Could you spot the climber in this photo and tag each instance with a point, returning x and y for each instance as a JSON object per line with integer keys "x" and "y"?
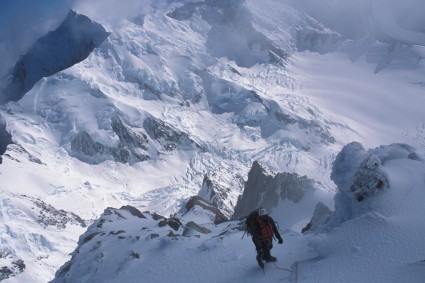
{"x": 262, "y": 228}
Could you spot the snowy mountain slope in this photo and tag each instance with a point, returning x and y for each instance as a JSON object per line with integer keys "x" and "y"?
{"x": 120, "y": 247}
{"x": 348, "y": 93}
{"x": 161, "y": 104}
{"x": 32, "y": 232}
{"x": 81, "y": 134}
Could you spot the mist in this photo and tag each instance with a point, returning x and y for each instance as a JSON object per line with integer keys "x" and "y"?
{"x": 22, "y": 22}
{"x": 385, "y": 20}
{"x": 112, "y": 12}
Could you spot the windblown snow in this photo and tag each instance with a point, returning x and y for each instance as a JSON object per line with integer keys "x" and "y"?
{"x": 138, "y": 157}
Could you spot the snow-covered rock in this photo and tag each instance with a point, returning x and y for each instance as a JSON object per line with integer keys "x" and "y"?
{"x": 131, "y": 144}
{"x": 30, "y": 227}
{"x": 361, "y": 177}
{"x": 320, "y": 215}
{"x": 218, "y": 216}
{"x": 125, "y": 237}
{"x": 222, "y": 189}
{"x": 5, "y": 137}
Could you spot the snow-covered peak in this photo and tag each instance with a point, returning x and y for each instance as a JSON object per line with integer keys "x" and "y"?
{"x": 69, "y": 44}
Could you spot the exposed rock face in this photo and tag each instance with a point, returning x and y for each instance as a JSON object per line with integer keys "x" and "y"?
{"x": 134, "y": 144}
{"x": 320, "y": 215}
{"x": 14, "y": 268}
{"x": 5, "y": 137}
{"x": 70, "y": 43}
{"x": 169, "y": 138}
{"x": 196, "y": 200}
{"x": 192, "y": 227}
{"x": 222, "y": 197}
{"x": 47, "y": 215}
{"x": 50, "y": 216}
{"x": 171, "y": 222}
{"x": 83, "y": 145}
{"x": 265, "y": 189}
{"x": 217, "y": 194}
{"x": 23, "y": 213}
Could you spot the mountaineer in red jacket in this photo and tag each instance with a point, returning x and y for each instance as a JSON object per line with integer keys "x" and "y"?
{"x": 262, "y": 228}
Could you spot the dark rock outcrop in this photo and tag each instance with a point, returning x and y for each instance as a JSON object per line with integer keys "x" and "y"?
{"x": 172, "y": 222}
{"x": 320, "y": 215}
{"x": 50, "y": 216}
{"x": 196, "y": 200}
{"x": 213, "y": 191}
{"x": 5, "y": 137}
{"x": 133, "y": 211}
{"x": 15, "y": 267}
{"x": 191, "y": 228}
{"x": 134, "y": 144}
{"x": 83, "y": 144}
{"x": 266, "y": 189}
{"x": 168, "y": 137}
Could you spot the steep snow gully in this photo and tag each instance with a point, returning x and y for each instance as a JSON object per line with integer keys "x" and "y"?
{"x": 132, "y": 146}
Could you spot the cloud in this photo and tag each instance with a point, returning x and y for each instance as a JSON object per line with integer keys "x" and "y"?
{"x": 113, "y": 11}
{"x": 360, "y": 18}
{"x": 22, "y": 22}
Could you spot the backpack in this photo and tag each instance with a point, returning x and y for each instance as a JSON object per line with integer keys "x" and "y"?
{"x": 251, "y": 225}
{"x": 266, "y": 228}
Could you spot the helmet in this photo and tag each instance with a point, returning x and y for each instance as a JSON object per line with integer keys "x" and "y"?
{"x": 262, "y": 212}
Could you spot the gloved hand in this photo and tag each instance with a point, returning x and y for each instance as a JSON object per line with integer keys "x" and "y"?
{"x": 280, "y": 241}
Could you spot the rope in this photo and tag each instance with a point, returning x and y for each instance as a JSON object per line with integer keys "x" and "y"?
{"x": 243, "y": 234}
{"x": 296, "y": 272}
{"x": 281, "y": 268}
{"x": 289, "y": 270}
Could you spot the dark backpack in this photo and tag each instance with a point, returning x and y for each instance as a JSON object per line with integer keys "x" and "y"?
{"x": 251, "y": 225}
